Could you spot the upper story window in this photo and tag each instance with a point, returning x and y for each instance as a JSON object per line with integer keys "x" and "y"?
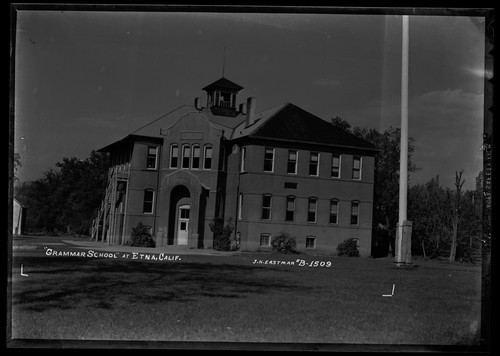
{"x": 355, "y": 212}
{"x": 356, "y": 167}
{"x": 195, "y": 163}
{"x": 311, "y": 210}
{"x": 290, "y": 208}
{"x": 314, "y": 164}
{"x": 243, "y": 157}
{"x": 174, "y": 156}
{"x": 335, "y": 166}
{"x": 186, "y": 156}
{"x": 268, "y": 159}
{"x": 148, "y": 203}
{"x": 334, "y": 211}
{"x": 266, "y": 206}
{"x": 152, "y": 158}
{"x": 291, "y": 167}
{"x": 207, "y": 157}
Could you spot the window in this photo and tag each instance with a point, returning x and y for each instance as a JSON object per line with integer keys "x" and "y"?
{"x": 174, "y": 156}
{"x": 355, "y": 213}
{"x": 266, "y": 206}
{"x": 265, "y": 240}
{"x": 291, "y": 167}
{"x": 149, "y": 196}
{"x": 269, "y": 159}
{"x": 186, "y": 156}
{"x": 240, "y": 205}
{"x": 313, "y": 164}
{"x": 243, "y": 157}
{"x": 356, "y": 168}
{"x": 184, "y": 213}
{"x": 334, "y": 211}
{"x": 310, "y": 242}
{"x": 207, "y": 163}
{"x": 290, "y": 208}
{"x": 311, "y": 210}
{"x": 290, "y": 185}
{"x": 195, "y": 164}
{"x": 151, "y": 159}
{"x": 336, "y": 166}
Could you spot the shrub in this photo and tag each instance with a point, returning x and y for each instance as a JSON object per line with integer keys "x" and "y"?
{"x": 348, "y": 248}
{"x": 222, "y": 234}
{"x": 283, "y": 243}
{"x": 141, "y": 236}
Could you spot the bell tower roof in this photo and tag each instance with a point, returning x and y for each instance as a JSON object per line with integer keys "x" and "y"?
{"x": 223, "y": 83}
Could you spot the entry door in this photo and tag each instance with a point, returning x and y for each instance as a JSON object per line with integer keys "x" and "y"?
{"x": 183, "y": 225}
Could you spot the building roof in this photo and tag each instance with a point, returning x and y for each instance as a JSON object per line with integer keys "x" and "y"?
{"x": 291, "y": 123}
{"x": 153, "y": 129}
{"x": 286, "y": 122}
{"x": 223, "y": 83}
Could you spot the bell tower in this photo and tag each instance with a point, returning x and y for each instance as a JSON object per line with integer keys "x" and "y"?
{"x": 221, "y": 97}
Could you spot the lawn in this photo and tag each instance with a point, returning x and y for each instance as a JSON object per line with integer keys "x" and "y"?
{"x": 234, "y": 299}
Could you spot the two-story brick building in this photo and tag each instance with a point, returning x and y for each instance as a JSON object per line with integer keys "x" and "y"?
{"x": 282, "y": 169}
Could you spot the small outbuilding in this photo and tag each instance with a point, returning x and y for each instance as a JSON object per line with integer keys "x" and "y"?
{"x": 19, "y": 218}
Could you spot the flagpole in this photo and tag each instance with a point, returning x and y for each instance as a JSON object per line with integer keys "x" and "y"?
{"x": 403, "y": 235}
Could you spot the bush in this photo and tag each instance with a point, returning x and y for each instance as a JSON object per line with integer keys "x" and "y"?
{"x": 222, "y": 234}
{"x": 141, "y": 236}
{"x": 283, "y": 243}
{"x": 348, "y": 248}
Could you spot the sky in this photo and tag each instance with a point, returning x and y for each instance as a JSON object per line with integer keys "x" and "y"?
{"x": 86, "y": 79}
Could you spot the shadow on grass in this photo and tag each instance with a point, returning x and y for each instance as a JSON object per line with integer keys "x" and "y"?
{"x": 69, "y": 283}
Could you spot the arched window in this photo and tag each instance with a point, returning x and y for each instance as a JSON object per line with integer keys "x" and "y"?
{"x": 186, "y": 156}
{"x": 174, "y": 155}
{"x": 195, "y": 163}
{"x": 311, "y": 210}
{"x": 207, "y": 157}
{"x": 334, "y": 211}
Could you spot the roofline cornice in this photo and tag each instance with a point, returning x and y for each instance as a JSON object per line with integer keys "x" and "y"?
{"x": 318, "y": 144}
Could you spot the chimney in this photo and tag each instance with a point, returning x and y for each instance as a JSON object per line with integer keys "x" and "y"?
{"x": 251, "y": 104}
{"x": 242, "y": 109}
{"x": 197, "y": 104}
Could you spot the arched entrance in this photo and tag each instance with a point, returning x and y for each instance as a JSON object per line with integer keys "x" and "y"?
{"x": 179, "y": 216}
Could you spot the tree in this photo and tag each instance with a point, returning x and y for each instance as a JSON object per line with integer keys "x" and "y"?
{"x": 222, "y": 234}
{"x": 66, "y": 199}
{"x": 456, "y": 213}
{"x": 386, "y": 187}
{"x": 17, "y": 164}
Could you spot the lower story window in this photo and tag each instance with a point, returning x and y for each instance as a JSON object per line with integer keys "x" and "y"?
{"x": 148, "y": 202}
{"x": 310, "y": 242}
{"x": 265, "y": 239}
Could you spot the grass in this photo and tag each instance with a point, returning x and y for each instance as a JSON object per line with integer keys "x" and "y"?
{"x": 231, "y": 299}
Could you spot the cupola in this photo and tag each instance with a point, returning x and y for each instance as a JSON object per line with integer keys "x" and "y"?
{"x": 221, "y": 97}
